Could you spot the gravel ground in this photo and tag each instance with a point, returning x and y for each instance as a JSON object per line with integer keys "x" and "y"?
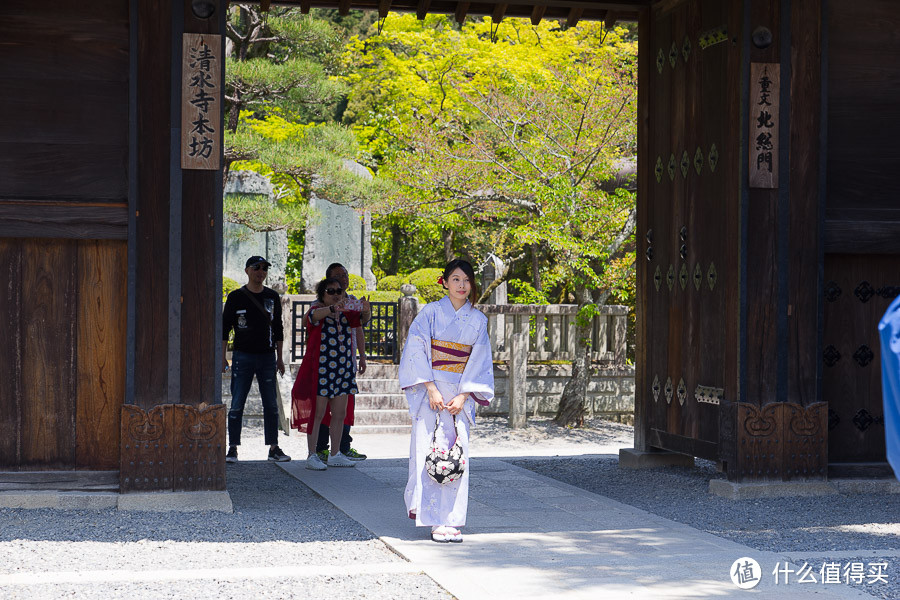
{"x": 301, "y": 531}
{"x": 815, "y": 530}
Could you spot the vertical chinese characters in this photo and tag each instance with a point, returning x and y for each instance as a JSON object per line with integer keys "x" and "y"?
{"x": 201, "y": 133}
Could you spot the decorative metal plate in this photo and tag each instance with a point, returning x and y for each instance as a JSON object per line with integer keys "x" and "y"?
{"x": 670, "y": 277}
{"x": 685, "y": 164}
{"x": 686, "y": 48}
{"x": 698, "y": 277}
{"x": 863, "y": 419}
{"x": 682, "y": 392}
{"x": 673, "y": 55}
{"x": 864, "y": 291}
{"x": 683, "y": 276}
{"x": 713, "y": 158}
{"x": 649, "y": 253}
{"x": 682, "y": 251}
{"x": 889, "y": 292}
{"x": 655, "y": 388}
{"x": 831, "y": 356}
{"x": 672, "y": 167}
{"x": 709, "y": 395}
{"x": 713, "y": 37}
{"x": 863, "y": 356}
{"x": 657, "y": 277}
{"x": 832, "y": 291}
{"x": 698, "y": 160}
{"x": 712, "y": 276}
{"x": 660, "y": 61}
{"x": 649, "y": 236}
{"x": 668, "y": 390}
{"x": 659, "y": 169}
{"x": 682, "y": 233}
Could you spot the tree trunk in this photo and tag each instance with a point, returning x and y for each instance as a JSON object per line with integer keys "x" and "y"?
{"x": 447, "y": 236}
{"x": 396, "y": 238}
{"x": 536, "y": 266}
{"x": 571, "y": 404}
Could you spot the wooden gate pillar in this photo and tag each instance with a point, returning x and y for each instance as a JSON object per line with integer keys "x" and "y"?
{"x": 173, "y": 423}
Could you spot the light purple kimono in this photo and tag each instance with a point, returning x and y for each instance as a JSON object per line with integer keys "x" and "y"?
{"x": 433, "y": 503}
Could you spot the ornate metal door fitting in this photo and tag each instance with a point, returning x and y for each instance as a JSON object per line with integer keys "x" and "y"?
{"x": 709, "y": 395}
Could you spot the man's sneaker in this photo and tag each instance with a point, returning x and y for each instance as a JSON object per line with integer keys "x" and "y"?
{"x": 277, "y": 455}
{"x": 339, "y": 460}
{"x": 231, "y": 457}
{"x": 323, "y": 455}
{"x": 354, "y": 455}
{"x": 313, "y": 462}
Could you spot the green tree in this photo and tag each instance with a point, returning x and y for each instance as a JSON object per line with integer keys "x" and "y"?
{"x": 282, "y": 97}
{"x": 520, "y": 137}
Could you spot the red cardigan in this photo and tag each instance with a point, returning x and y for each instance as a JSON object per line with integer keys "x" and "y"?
{"x": 306, "y": 386}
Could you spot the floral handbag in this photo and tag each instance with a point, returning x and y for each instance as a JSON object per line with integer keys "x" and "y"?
{"x": 445, "y": 466}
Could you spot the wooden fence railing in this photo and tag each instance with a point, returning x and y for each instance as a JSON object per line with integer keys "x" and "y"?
{"x": 551, "y": 330}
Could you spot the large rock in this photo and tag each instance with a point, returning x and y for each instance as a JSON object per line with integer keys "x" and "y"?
{"x": 240, "y": 242}
{"x": 337, "y": 233}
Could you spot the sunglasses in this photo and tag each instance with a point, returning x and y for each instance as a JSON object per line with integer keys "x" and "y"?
{"x": 334, "y": 291}
{"x": 258, "y": 267}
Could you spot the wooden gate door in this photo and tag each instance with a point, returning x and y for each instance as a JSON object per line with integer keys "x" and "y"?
{"x": 862, "y": 226}
{"x": 690, "y": 224}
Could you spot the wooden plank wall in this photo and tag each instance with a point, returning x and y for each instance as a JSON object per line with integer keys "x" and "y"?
{"x": 64, "y": 358}
{"x": 63, "y": 163}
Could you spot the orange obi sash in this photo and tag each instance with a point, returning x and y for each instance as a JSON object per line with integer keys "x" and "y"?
{"x": 449, "y": 356}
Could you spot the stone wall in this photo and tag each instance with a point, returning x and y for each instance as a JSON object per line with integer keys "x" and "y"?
{"x": 610, "y": 392}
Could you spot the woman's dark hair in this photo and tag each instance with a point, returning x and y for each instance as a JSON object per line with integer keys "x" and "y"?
{"x": 333, "y": 266}
{"x": 320, "y": 287}
{"x": 466, "y": 268}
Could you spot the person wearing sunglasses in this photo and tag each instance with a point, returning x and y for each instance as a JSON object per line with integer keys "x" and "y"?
{"x": 339, "y": 272}
{"x": 253, "y": 311}
{"x": 327, "y": 375}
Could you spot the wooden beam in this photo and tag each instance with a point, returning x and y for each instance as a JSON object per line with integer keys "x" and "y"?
{"x": 264, "y": 5}
{"x": 422, "y": 9}
{"x": 499, "y": 12}
{"x": 461, "y": 9}
{"x": 537, "y": 13}
{"x": 610, "y": 21}
{"x": 305, "y": 6}
{"x": 574, "y": 16}
{"x": 344, "y": 7}
{"x": 384, "y": 7}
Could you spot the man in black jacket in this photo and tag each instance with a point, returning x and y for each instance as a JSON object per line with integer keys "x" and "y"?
{"x": 254, "y": 312}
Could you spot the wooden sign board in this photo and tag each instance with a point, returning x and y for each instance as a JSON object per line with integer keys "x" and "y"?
{"x": 201, "y": 101}
{"x": 765, "y": 89}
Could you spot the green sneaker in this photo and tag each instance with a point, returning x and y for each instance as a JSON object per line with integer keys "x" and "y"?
{"x": 323, "y": 455}
{"x": 354, "y": 455}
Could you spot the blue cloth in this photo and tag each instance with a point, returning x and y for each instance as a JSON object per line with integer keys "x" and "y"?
{"x": 889, "y": 330}
{"x": 244, "y": 365}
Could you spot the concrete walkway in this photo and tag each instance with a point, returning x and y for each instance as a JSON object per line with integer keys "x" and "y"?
{"x": 529, "y": 536}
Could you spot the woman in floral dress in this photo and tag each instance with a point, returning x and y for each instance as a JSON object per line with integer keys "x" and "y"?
{"x": 326, "y": 376}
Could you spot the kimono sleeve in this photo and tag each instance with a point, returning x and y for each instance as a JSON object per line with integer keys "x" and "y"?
{"x": 478, "y": 376}
{"x": 415, "y": 363}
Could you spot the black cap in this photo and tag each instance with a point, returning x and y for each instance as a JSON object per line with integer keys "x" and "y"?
{"x": 255, "y": 260}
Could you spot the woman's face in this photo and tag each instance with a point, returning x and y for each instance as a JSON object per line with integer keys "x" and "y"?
{"x": 333, "y": 294}
{"x": 458, "y": 284}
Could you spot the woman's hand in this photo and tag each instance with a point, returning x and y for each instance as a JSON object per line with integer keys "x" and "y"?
{"x": 361, "y": 367}
{"x": 435, "y": 400}
{"x": 456, "y": 405}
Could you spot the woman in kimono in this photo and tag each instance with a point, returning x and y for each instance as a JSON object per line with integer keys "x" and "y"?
{"x": 445, "y": 370}
{"x": 327, "y": 375}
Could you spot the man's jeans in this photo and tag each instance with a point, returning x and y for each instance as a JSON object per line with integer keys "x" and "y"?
{"x": 243, "y": 367}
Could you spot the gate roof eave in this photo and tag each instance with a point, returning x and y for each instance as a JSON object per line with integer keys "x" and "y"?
{"x": 570, "y": 10}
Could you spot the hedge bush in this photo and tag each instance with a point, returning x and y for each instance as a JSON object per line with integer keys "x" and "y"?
{"x": 357, "y": 283}
{"x": 427, "y": 287}
{"x": 228, "y": 286}
{"x": 392, "y": 282}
